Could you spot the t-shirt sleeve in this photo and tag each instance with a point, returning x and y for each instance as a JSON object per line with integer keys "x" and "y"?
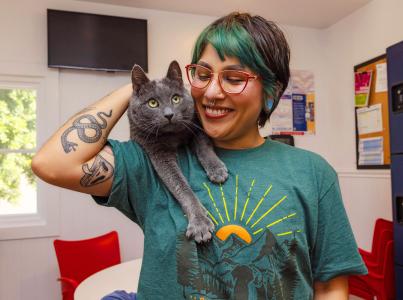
{"x": 132, "y": 178}
{"x": 335, "y": 252}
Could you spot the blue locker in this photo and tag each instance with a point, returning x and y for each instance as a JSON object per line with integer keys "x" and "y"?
{"x": 395, "y": 89}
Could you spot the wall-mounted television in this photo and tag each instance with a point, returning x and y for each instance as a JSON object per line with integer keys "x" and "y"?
{"x": 96, "y": 42}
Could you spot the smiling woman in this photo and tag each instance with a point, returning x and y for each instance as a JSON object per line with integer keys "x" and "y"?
{"x": 280, "y": 227}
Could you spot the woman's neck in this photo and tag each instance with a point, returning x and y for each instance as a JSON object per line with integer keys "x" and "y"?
{"x": 239, "y": 143}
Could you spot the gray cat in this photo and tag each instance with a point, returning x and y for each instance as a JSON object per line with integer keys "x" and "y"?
{"x": 162, "y": 118}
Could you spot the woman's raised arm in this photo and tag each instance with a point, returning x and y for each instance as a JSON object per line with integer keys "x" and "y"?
{"x": 75, "y": 157}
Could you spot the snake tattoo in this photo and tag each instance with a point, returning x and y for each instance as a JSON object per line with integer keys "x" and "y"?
{"x": 81, "y": 130}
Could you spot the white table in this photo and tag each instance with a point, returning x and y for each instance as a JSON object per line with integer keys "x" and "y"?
{"x": 124, "y": 276}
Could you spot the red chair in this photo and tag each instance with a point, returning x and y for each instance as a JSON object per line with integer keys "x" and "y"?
{"x": 375, "y": 262}
{"x": 379, "y": 284}
{"x": 380, "y": 226}
{"x": 80, "y": 259}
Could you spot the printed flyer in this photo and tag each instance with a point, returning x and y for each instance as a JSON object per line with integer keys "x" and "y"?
{"x": 362, "y": 88}
{"x": 295, "y": 113}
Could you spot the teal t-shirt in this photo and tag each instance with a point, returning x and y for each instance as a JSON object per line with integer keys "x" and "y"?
{"x": 280, "y": 225}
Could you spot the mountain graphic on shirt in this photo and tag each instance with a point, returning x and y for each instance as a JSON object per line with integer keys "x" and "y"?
{"x": 233, "y": 270}
{"x": 250, "y": 256}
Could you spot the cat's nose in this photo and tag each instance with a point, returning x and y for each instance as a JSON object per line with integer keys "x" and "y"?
{"x": 168, "y": 113}
{"x": 169, "y": 116}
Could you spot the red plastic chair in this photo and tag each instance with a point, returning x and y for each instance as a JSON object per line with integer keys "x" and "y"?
{"x": 375, "y": 262}
{"x": 376, "y": 284}
{"x": 377, "y": 242}
{"x": 80, "y": 259}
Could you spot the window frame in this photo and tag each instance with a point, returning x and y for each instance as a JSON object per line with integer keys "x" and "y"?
{"x": 46, "y": 222}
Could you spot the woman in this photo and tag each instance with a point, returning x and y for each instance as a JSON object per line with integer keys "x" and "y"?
{"x": 281, "y": 228}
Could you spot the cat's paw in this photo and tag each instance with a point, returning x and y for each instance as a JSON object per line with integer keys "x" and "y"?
{"x": 200, "y": 228}
{"x": 218, "y": 174}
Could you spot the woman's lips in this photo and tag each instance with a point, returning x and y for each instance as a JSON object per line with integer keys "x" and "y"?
{"x": 216, "y": 112}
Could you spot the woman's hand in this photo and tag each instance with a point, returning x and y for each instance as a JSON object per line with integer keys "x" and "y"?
{"x": 336, "y": 288}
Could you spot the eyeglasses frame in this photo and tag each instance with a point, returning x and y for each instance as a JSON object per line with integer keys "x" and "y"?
{"x": 248, "y": 77}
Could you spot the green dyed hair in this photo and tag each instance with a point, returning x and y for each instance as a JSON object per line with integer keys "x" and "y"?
{"x": 258, "y": 44}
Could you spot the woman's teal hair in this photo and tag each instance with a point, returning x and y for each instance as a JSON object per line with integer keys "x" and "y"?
{"x": 257, "y": 43}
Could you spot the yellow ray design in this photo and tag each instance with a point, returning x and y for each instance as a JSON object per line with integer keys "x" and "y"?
{"x": 271, "y": 208}
{"x": 247, "y": 199}
{"x": 281, "y": 220}
{"x": 212, "y": 199}
{"x": 288, "y": 232}
{"x": 276, "y": 222}
{"x": 257, "y": 231}
{"x": 212, "y": 217}
{"x": 225, "y": 202}
{"x": 236, "y": 196}
{"x": 257, "y": 206}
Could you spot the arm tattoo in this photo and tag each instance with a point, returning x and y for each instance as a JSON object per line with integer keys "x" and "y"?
{"x": 82, "y": 127}
{"x": 100, "y": 171}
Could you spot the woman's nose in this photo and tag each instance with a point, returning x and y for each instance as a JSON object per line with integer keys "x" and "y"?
{"x": 214, "y": 90}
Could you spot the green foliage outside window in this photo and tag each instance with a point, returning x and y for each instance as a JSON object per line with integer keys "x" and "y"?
{"x": 17, "y": 132}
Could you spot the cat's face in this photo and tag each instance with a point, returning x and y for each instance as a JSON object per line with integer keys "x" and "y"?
{"x": 160, "y": 106}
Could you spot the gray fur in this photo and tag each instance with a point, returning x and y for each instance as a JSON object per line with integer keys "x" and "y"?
{"x": 161, "y": 130}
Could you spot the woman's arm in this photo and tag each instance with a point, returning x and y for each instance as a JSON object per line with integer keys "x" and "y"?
{"x": 334, "y": 289}
{"x": 75, "y": 157}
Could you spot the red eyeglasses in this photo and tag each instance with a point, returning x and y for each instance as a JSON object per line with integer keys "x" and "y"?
{"x": 231, "y": 81}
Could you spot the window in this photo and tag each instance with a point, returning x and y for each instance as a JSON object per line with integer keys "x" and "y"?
{"x": 29, "y": 114}
{"x": 17, "y": 146}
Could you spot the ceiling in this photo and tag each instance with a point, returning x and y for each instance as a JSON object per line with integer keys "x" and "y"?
{"x": 305, "y": 13}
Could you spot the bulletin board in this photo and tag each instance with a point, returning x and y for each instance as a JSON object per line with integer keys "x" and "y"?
{"x": 372, "y": 118}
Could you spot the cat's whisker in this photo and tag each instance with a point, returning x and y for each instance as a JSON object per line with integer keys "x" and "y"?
{"x": 191, "y": 123}
{"x": 151, "y": 131}
{"x": 189, "y": 128}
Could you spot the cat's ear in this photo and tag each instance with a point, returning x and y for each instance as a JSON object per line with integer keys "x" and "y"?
{"x": 139, "y": 78}
{"x": 174, "y": 72}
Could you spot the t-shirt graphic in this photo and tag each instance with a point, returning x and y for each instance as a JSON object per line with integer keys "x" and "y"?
{"x": 248, "y": 257}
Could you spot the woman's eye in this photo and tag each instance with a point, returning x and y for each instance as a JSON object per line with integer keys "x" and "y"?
{"x": 203, "y": 76}
{"x": 176, "y": 99}
{"x": 153, "y": 103}
{"x": 234, "y": 79}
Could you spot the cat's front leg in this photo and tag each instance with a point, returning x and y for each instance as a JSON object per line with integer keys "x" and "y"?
{"x": 215, "y": 169}
{"x": 200, "y": 226}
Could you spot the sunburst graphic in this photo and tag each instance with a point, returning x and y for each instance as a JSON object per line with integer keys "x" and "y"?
{"x": 252, "y": 224}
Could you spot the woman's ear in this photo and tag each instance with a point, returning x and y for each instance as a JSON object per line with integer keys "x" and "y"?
{"x": 139, "y": 78}
{"x": 269, "y": 100}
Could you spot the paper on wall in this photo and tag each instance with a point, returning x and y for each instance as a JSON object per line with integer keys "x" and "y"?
{"x": 369, "y": 119}
{"x": 370, "y": 151}
{"x": 381, "y": 78}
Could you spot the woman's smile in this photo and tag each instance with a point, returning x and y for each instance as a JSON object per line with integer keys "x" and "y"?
{"x": 216, "y": 112}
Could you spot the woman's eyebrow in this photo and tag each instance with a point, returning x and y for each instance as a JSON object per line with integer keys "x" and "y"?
{"x": 235, "y": 67}
{"x": 230, "y": 67}
{"x": 204, "y": 64}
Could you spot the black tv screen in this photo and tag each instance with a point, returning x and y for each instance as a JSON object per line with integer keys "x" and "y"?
{"x": 90, "y": 41}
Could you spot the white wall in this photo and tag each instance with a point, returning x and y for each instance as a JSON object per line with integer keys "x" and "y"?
{"x": 359, "y": 37}
{"x": 28, "y": 268}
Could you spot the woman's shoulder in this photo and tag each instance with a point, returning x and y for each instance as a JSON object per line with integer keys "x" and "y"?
{"x": 303, "y": 156}
{"x": 127, "y": 150}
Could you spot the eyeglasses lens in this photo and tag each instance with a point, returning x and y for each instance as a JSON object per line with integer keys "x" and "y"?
{"x": 231, "y": 81}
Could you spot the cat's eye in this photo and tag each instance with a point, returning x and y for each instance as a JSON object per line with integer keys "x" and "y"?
{"x": 176, "y": 99}
{"x": 153, "y": 103}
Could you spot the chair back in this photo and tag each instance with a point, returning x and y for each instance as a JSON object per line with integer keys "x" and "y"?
{"x": 379, "y": 255}
{"x": 380, "y": 225}
{"x": 82, "y": 258}
{"x": 389, "y": 271}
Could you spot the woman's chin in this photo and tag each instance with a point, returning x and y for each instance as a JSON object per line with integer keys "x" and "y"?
{"x": 215, "y": 134}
